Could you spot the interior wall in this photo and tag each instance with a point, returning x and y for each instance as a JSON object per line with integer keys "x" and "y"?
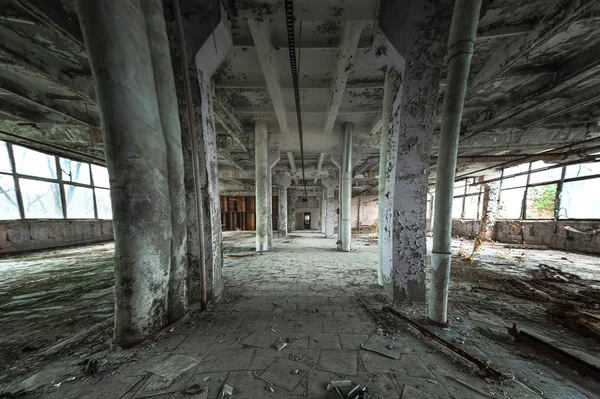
{"x": 367, "y": 213}
{"x": 315, "y": 215}
{"x": 537, "y": 232}
{"x": 21, "y": 236}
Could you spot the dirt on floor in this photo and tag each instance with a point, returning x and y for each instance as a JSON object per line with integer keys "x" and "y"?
{"x": 321, "y": 303}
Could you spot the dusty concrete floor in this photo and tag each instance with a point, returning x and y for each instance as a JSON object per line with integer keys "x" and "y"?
{"x": 308, "y": 296}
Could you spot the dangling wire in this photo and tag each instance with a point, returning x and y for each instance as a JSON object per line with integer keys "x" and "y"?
{"x": 294, "y": 65}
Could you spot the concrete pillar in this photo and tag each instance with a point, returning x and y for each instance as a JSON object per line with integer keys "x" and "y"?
{"x": 387, "y": 175}
{"x": 414, "y": 35}
{"x": 330, "y": 210}
{"x": 294, "y": 195}
{"x": 137, "y": 158}
{"x": 346, "y": 187}
{"x": 169, "y": 115}
{"x": 460, "y": 51}
{"x": 323, "y": 211}
{"x": 283, "y": 182}
{"x": 263, "y": 185}
{"x": 272, "y": 160}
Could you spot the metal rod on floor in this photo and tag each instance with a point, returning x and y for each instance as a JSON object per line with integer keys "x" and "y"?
{"x": 195, "y": 156}
{"x": 460, "y": 51}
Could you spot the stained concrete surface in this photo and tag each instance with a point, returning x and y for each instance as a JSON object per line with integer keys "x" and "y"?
{"x": 306, "y": 295}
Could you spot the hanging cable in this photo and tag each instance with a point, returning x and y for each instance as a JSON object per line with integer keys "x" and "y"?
{"x": 289, "y": 17}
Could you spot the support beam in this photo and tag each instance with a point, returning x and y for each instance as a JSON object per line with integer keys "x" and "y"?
{"x": 283, "y": 183}
{"x": 307, "y": 109}
{"x": 387, "y": 175}
{"x": 261, "y": 34}
{"x": 323, "y": 84}
{"x": 557, "y": 19}
{"x": 319, "y": 166}
{"x": 292, "y": 165}
{"x": 346, "y": 187}
{"x": 351, "y": 32}
{"x": 376, "y": 123}
{"x": 418, "y": 38}
{"x": 225, "y": 154}
{"x": 330, "y": 185}
{"x": 211, "y": 54}
{"x": 177, "y": 306}
{"x": 226, "y": 117}
{"x": 137, "y": 161}
{"x": 460, "y": 51}
{"x": 505, "y": 31}
{"x": 262, "y": 186}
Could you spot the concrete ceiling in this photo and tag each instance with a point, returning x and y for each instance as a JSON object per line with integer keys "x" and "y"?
{"x": 533, "y": 84}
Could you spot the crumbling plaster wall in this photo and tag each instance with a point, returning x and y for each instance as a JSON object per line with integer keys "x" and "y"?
{"x": 367, "y": 213}
{"x": 21, "y": 236}
{"x": 536, "y": 232}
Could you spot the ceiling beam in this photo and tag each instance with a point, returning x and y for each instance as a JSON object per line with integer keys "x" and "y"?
{"x": 292, "y": 165}
{"x": 320, "y": 166}
{"x": 84, "y": 83}
{"x": 504, "y": 31}
{"x": 504, "y": 57}
{"x": 261, "y": 34}
{"x": 309, "y": 109}
{"x": 303, "y": 85}
{"x": 574, "y": 72}
{"x": 225, "y": 154}
{"x": 351, "y": 31}
{"x": 375, "y": 124}
{"x": 225, "y": 117}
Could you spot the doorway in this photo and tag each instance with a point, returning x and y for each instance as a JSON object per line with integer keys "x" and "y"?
{"x": 306, "y": 220}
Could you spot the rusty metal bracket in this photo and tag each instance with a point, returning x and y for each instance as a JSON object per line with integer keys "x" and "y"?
{"x": 562, "y": 356}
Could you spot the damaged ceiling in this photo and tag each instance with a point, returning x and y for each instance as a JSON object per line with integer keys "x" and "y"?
{"x": 533, "y": 85}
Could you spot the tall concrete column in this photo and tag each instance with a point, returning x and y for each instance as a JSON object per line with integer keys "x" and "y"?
{"x": 460, "y": 51}
{"x": 323, "y": 210}
{"x": 283, "y": 182}
{"x": 169, "y": 115}
{"x": 346, "y": 187}
{"x": 330, "y": 214}
{"x": 137, "y": 158}
{"x": 294, "y": 195}
{"x": 263, "y": 185}
{"x": 387, "y": 175}
{"x": 414, "y": 35}
{"x": 272, "y": 160}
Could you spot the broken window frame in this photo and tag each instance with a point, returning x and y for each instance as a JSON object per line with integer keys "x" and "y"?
{"x": 559, "y": 182}
{"x": 58, "y": 180}
{"x": 463, "y": 196}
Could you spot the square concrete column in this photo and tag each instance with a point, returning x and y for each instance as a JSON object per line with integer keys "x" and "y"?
{"x": 293, "y": 198}
{"x": 414, "y": 34}
{"x": 283, "y": 182}
{"x": 120, "y": 38}
{"x": 263, "y": 184}
{"x": 323, "y": 210}
{"x": 330, "y": 211}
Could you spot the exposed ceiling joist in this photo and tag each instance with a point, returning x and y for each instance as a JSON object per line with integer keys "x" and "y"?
{"x": 261, "y": 34}
{"x": 351, "y": 32}
{"x": 505, "y": 57}
{"x": 308, "y": 109}
{"x": 226, "y": 118}
{"x": 319, "y": 166}
{"x": 227, "y": 156}
{"x": 304, "y": 85}
{"x": 504, "y": 31}
{"x": 292, "y": 165}
{"x": 375, "y": 124}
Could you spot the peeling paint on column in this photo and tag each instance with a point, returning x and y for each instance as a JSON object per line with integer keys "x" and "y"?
{"x": 419, "y": 37}
{"x": 294, "y": 195}
{"x": 207, "y": 145}
{"x": 167, "y": 100}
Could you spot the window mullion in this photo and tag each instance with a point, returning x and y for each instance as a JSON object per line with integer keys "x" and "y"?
{"x": 16, "y": 180}
{"x": 63, "y": 197}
